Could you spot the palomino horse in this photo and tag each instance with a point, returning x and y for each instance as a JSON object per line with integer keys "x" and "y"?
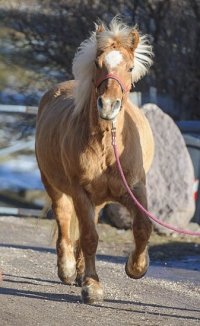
{"x": 75, "y": 155}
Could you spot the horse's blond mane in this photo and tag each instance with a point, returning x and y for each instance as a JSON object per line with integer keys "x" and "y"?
{"x": 83, "y": 63}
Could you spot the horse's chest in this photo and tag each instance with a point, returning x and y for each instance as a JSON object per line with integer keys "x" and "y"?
{"x": 96, "y": 171}
{"x": 101, "y": 179}
{"x": 95, "y": 166}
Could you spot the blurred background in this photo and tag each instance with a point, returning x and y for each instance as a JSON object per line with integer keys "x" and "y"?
{"x": 38, "y": 40}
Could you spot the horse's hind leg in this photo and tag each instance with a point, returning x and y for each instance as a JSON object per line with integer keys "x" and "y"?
{"x": 66, "y": 261}
{"x": 63, "y": 211}
{"x": 138, "y": 261}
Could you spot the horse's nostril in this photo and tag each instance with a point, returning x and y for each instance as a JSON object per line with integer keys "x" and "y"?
{"x": 100, "y": 102}
{"x": 116, "y": 105}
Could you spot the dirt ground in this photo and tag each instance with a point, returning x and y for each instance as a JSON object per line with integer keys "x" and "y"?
{"x": 31, "y": 293}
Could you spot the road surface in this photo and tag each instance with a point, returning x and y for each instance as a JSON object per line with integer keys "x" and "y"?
{"x": 31, "y": 293}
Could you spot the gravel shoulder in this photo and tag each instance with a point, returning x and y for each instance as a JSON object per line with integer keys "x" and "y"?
{"x": 31, "y": 293}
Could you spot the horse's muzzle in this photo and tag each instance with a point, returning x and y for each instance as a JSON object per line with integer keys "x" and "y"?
{"x": 108, "y": 109}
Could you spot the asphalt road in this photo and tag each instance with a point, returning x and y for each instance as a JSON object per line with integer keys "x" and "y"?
{"x": 31, "y": 293}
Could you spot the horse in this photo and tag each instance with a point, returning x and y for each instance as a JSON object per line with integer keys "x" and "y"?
{"x": 75, "y": 156}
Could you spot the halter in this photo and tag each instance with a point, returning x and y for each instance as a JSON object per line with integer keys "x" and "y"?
{"x": 113, "y": 76}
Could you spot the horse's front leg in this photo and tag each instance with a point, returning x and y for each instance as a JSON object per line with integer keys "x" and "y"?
{"x": 138, "y": 261}
{"x": 91, "y": 288}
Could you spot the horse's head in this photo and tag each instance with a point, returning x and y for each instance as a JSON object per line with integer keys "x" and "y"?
{"x": 113, "y": 77}
{"x": 112, "y": 59}
{"x": 115, "y": 65}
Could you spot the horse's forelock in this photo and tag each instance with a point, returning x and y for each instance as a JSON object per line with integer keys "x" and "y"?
{"x": 117, "y": 32}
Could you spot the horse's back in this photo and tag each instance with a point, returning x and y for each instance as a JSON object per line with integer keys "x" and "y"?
{"x": 145, "y": 133}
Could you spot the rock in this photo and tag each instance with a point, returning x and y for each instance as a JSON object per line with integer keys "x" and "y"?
{"x": 194, "y": 227}
{"x": 117, "y": 216}
{"x": 170, "y": 179}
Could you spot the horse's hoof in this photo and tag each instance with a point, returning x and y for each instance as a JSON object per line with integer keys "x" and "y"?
{"x": 135, "y": 277}
{"x": 137, "y": 270}
{"x": 92, "y": 293}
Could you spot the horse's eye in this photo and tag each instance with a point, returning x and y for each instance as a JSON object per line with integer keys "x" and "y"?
{"x": 131, "y": 69}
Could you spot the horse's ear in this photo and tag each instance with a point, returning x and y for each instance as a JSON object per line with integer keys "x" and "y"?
{"x": 100, "y": 29}
{"x": 134, "y": 39}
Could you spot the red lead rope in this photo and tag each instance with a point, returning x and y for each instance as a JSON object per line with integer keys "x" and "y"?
{"x": 136, "y": 201}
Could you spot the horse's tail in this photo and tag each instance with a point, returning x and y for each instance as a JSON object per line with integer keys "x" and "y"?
{"x": 46, "y": 207}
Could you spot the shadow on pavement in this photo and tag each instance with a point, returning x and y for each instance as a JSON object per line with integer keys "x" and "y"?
{"x": 40, "y": 249}
{"x": 173, "y": 255}
{"x": 39, "y": 295}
